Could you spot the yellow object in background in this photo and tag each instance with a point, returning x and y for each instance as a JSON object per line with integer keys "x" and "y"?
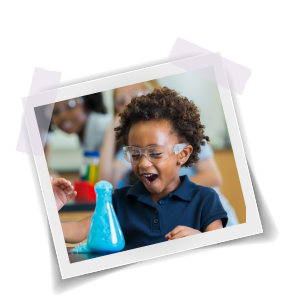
{"x": 93, "y": 174}
{"x": 89, "y": 167}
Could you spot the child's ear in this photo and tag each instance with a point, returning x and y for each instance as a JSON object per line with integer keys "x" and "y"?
{"x": 185, "y": 154}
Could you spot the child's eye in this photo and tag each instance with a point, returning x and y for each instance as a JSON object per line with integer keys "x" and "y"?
{"x": 155, "y": 154}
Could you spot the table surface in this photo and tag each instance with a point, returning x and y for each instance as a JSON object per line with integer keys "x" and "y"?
{"x": 77, "y": 257}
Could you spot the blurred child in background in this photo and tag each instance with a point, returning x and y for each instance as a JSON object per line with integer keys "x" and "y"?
{"x": 85, "y": 116}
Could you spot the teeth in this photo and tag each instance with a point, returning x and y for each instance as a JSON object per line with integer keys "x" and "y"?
{"x": 148, "y": 175}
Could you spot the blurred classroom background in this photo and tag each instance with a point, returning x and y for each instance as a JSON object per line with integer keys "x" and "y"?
{"x": 65, "y": 156}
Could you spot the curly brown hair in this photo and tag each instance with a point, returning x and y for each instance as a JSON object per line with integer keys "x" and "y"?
{"x": 164, "y": 104}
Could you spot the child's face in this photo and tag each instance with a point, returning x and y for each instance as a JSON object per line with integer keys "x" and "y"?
{"x": 144, "y": 134}
{"x": 69, "y": 116}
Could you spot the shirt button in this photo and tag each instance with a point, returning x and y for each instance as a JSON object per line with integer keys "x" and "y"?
{"x": 156, "y": 211}
{"x": 161, "y": 202}
{"x": 155, "y": 221}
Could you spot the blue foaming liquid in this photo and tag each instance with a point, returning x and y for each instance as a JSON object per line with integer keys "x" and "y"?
{"x": 82, "y": 248}
{"x": 105, "y": 235}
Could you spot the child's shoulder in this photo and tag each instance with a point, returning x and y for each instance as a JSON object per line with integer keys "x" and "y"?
{"x": 206, "y": 198}
{"x": 137, "y": 189}
{"x": 192, "y": 191}
{"x": 205, "y": 192}
{"x": 122, "y": 197}
{"x": 204, "y": 189}
{"x": 123, "y": 190}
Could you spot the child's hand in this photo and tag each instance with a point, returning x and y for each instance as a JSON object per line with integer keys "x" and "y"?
{"x": 63, "y": 191}
{"x": 181, "y": 231}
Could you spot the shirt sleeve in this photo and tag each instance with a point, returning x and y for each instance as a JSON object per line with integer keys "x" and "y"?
{"x": 95, "y": 129}
{"x": 114, "y": 201}
{"x": 212, "y": 210}
{"x": 104, "y": 121}
{"x": 206, "y": 152}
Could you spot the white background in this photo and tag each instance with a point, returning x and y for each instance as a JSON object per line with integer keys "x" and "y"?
{"x": 91, "y": 40}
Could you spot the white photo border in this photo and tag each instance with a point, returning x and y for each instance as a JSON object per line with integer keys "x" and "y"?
{"x": 252, "y": 225}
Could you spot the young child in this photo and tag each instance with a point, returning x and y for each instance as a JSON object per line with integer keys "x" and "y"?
{"x": 163, "y": 133}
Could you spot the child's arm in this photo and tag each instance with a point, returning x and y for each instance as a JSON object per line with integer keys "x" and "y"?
{"x": 183, "y": 231}
{"x": 76, "y": 231}
{"x": 111, "y": 169}
{"x": 107, "y": 153}
{"x": 73, "y": 231}
{"x": 214, "y": 225}
{"x": 208, "y": 173}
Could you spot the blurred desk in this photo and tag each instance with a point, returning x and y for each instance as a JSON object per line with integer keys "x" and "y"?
{"x": 231, "y": 187}
{"x": 71, "y": 206}
{"x": 71, "y": 176}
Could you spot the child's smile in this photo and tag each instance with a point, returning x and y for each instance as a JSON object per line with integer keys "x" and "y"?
{"x": 150, "y": 178}
{"x": 70, "y": 119}
{"x": 162, "y": 178}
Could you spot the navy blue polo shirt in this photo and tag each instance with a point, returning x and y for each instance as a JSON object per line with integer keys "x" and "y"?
{"x": 144, "y": 223}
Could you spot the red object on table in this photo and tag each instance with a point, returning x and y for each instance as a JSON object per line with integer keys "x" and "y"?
{"x": 85, "y": 192}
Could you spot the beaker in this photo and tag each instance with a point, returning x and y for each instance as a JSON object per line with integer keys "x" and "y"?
{"x": 105, "y": 235}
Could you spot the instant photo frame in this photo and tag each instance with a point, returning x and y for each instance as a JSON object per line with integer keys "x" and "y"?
{"x": 193, "y": 64}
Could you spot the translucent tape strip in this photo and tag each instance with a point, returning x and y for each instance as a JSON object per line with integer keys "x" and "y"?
{"x": 38, "y": 110}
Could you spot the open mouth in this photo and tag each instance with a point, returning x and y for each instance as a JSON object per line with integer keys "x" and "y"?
{"x": 149, "y": 178}
{"x": 67, "y": 125}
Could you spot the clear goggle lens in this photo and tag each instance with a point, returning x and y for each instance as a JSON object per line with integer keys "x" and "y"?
{"x": 155, "y": 154}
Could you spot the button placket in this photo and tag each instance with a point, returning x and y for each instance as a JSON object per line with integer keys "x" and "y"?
{"x": 156, "y": 220}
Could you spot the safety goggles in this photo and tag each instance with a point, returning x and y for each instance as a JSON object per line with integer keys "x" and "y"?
{"x": 66, "y": 106}
{"x": 156, "y": 154}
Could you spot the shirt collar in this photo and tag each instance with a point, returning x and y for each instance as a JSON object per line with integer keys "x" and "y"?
{"x": 185, "y": 191}
{"x": 137, "y": 190}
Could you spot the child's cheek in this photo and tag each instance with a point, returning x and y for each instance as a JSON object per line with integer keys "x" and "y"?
{"x": 135, "y": 170}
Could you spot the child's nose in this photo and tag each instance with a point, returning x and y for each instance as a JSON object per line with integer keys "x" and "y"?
{"x": 144, "y": 161}
{"x": 63, "y": 114}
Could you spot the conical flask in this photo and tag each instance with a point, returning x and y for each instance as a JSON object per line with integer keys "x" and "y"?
{"x": 105, "y": 235}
